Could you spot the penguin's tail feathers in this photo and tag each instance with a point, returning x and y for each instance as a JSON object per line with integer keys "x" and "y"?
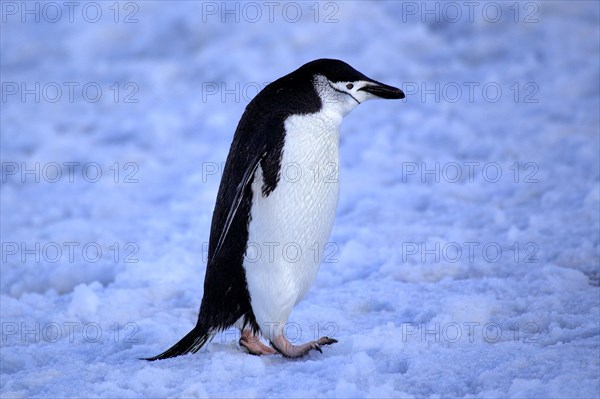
{"x": 192, "y": 342}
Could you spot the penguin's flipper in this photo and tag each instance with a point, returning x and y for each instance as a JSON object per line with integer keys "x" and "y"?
{"x": 258, "y": 140}
{"x": 192, "y": 342}
{"x": 237, "y": 199}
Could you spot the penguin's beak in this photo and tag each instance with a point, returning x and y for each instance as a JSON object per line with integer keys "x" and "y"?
{"x": 383, "y": 91}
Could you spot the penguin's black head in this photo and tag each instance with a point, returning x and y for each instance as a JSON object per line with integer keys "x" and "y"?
{"x": 343, "y": 86}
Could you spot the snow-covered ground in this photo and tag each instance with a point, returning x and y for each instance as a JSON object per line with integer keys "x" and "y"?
{"x": 465, "y": 256}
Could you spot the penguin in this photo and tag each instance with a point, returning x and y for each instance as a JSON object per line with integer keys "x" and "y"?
{"x": 275, "y": 207}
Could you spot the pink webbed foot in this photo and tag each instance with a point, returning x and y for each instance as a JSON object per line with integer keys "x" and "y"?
{"x": 283, "y": 346}
{"x": 252, "y": 343}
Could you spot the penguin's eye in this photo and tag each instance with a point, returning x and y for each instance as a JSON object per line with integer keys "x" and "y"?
{"x": 349, "y": 86}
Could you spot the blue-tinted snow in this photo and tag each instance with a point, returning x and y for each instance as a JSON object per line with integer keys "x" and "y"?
{"x": 417, "y": 306}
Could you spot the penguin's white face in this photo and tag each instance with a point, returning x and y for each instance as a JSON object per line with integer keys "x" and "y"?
{"x": 338, "y": 98}
{"x": 343, "y": 97}
{"x": 355, "y": 90}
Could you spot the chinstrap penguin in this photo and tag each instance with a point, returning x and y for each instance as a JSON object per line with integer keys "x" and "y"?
{"x": 259, "y": 210}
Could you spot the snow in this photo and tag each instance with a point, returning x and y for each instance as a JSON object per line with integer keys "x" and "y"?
{"x": 443, "y": 278}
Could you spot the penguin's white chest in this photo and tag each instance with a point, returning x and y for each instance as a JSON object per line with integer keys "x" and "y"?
{"x": 290, "y": 227}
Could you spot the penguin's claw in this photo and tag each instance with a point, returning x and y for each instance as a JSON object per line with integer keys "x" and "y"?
{"x": 326, "y": 341}
{"x": 283, "y": 346}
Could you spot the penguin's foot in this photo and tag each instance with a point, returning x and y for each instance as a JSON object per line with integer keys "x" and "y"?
{"x": 252, "y": 343}
{"x": 283, "y": 346}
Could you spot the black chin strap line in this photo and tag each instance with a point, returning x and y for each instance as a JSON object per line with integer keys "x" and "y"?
{"x": 343, "y": 92}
